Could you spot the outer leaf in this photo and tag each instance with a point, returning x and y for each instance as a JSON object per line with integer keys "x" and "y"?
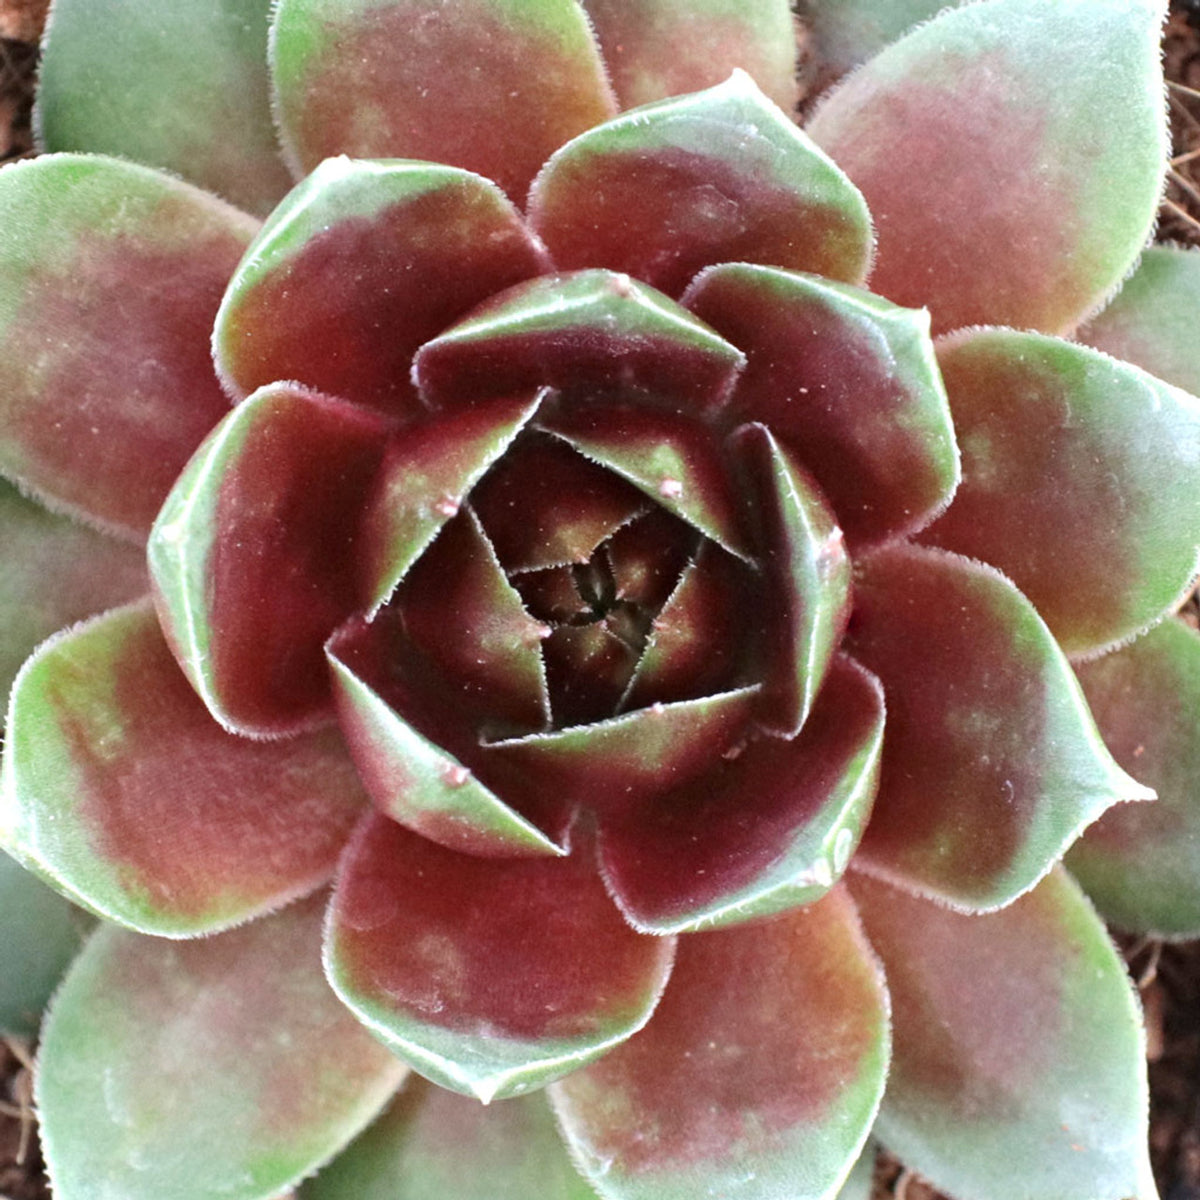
{"x": 402, "y": 78}
{"x": 992, "y": 765}
{"x": 1019, "y": 1067}
{"x": 857, "y": 394}
{"x": 1141, "y": 863}
{"x": 758, "y": 1076}
{"x": 491, "y": 977}
{"x": 200, "y": 66}
{"x": 1043, "y": 124}
{"x": 433, "y": 1145}
{"x": 252, "y": 555}
{"x": 1101, "y": 459}
{"x": 771, "y": 827}
{"x": 808, "y": 578}
{"x": 112, "y": 765}
{"x": 40, "y": 933}
{"x": 859, "y": 1182}
{"x": 660, "y": 48}
{"x": 584, "y": 332}
{"x": 1150, "y": 321}
{"x": 55, "y": 572}
{"x": 110, "y": 275}
{"x": 223, "y": 1063}
{"x": 362, "y": 263}
{"x": 721, "y": 175}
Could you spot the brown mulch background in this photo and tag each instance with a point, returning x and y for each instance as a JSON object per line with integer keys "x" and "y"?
{"x": 1168, "y": 976}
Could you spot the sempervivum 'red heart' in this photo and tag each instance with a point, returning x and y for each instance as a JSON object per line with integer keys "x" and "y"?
{"x": 592, "y": 554}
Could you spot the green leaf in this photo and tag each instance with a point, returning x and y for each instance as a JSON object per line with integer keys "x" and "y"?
{"x": 223, "y": 1066}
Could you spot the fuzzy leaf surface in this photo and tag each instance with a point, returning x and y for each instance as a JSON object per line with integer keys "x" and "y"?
{"x": 857, "y": 395}
{"x": 758, "y": 1076}
{"x": 771, "y": 826}
{"x": 1101, "y": 459}
{"x": 359, "y": 265}
{"x": 112, "y": 764}
{"x": 1044, "y": 127}
{"x": 200, "y": 66}
{"x": 992, "y": 764}
{"x": 667, "y": 189}
{"x": 660, "y": 48}
{"x": 490, "y": 976}
{"x": 224, "y": 1062}
{"x": 1151, "y": 320}
{"x": 494, "y": 86}
{"x": 1018, "y": 1069}
{"x": 431, "y": 1144}
{"x": 110, "y": 276}
{"x": 1140, "y": 863}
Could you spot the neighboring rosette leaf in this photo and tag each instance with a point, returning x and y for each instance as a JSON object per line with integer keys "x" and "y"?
{"x": 770, "y": 826}
{"x": 360, "y": 264}
{"x": 1019, "y": 1066}
{"x": 992, "y": 765}
{"x": 491, "y": 977}
{"x": 41, "y": 933}
{"x": 1041, "y": 127}
{"x": 758, "y": 1076}
{"x": 433, "y": 1143}
{"x": 110, "y": 277}
{"x": 1152, "y": 320}
{"x": 857, "y": 396}
{"x": 494, "y": 86}
{"x": 660, "y": 48}
{"x": 1081, "y": 481}
{"x": 1141, "y": 863}
{"x": 111, "y": 764}
{"x": 665, "y": 190}
{"x": 582, "y": 332}
{"x": 56, "y": 572}
{"x": 223, "y": 1060}
{"x": 253, "y": 554}
{"x": 200, "y": 66}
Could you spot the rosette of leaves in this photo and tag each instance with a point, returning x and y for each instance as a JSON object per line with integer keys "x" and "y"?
{"x": 664, "y": 642}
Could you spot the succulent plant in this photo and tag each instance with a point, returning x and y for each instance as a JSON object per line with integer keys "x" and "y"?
{"x": 669, "y": 644}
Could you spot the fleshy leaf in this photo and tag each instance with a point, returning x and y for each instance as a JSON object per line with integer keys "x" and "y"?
{"x": 416, "y": 746}
{"x": 494, "y": 86}
{"x": 660, "y": 48}
{"x": 678, "y": 462}
{"x": 637, "y": 755}
{"x": 1140, "y": 863}
{"x": 664, "y": 190}
{"x": 55, "y": 572}
{"x": 111, "y": 764}
{"x": 41, "y": 932}
{"x": 770, "y": 827}
{"x": 758, "y": 1076}
{"x": 426, "y": 475}
{"x": 224, "y": 1063}
{"x": 110, "y": 276}
{"x": 252, "y": 555}
{"x": 363, "y": 262}
{"x": 200, "y": 66}
{"x": 992, "y": 765}
{"x": 1151, "y": 320}
{"x": 588, "y": 669}
{"x": 490, "y": 976}
{"x": 1101, "y": 459}
{"x": 460, "y": 611}
{"x": 808, "y": 577}
{"x": 431, "y": 1144}
{"x": 1044, "y": 125}
{"x": 584, "y": 332}
{"x": 1019, "y": 1066}
{"x": 859, "y": 1182}
{"x": 857, "y": 395}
